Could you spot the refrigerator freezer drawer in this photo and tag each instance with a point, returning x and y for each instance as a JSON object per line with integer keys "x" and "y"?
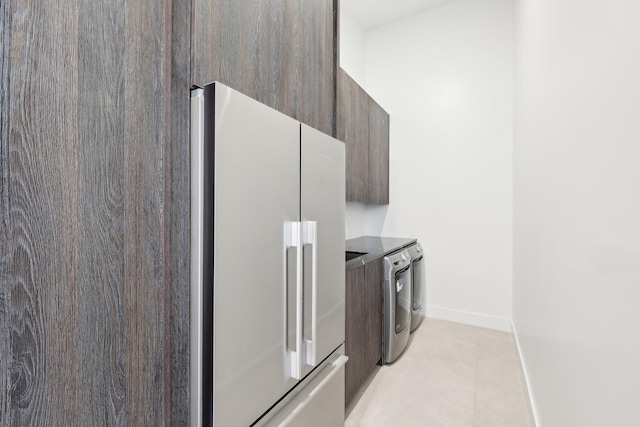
{"x": 319, "y": 401}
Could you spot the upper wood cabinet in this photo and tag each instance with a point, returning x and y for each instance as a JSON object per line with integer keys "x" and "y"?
{"x": 282, "y": 53}
{"x": 353, "y": 128}
{"x": 378, "y": 154}
{"x": 364, "y": 127}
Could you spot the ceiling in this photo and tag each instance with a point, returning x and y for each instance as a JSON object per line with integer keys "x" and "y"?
{"x": 371, "y": 13}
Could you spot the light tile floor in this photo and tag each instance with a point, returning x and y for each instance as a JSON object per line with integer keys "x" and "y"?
{"x": 450, "y": 375}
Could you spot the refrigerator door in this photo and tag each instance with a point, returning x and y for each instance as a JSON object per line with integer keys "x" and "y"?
{"x": 323, "y": 216}
{"x": 256, "y": 188}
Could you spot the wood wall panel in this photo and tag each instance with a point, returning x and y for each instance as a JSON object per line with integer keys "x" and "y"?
{"x": 101, "y": 193}
{"x": 281, "y": 53}
{"x": 38, "y": 276}
{"x": 177, "y": 194}
{"x": 6, "y": 271}
{"x": 94, "y": 258}
{"x": 316, "y": 86}
{"x": 146, "y": 94}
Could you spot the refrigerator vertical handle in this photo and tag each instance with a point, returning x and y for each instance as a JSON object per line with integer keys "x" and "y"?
{"x": 310, "y": 237}
{"x": 293, "y": 292}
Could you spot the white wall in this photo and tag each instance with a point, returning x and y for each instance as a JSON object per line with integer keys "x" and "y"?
{"x": 577, "y": 209}
{"x": 445, "y": 76}
{"x": 352, "y": 49}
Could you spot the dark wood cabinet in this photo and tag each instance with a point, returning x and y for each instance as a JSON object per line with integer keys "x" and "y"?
{"x": 363, "y": 335}
{"x": 355, "y": 334}
{"x": 282, "y": 53}
{"x": 364, "y": 127}
{"x": 94, "y": 254}
{"x": 94, "y": 167}
{"x": 352, "y": 122}
{"x": 378, "y": 184}
{"x": 374, "y": 277}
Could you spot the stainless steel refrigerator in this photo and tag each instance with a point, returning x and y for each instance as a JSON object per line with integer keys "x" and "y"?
{"x": 267, "y": 266}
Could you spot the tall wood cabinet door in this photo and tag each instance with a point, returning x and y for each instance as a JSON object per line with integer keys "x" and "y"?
{"x": 316, "y": 53}
{"x": 94, "y": 266}
{"x": 378, "y": 154}
{"x": 374, "y": 278}
{"x": 281, "y": 53}
{"x": 355, "y": 334}
{"x": 352, "y": 121}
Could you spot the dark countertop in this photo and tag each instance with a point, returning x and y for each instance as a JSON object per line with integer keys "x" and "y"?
{"x": 374, "y": 247}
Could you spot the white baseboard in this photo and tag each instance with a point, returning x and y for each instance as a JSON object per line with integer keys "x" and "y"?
{"x": 469, "y": 318}
{"x": 526, "y": 379}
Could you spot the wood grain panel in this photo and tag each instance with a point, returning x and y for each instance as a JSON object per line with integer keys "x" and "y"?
{"x": 354, "y": 333}
{"x": 5, "y": 62}
{"x": 363, "y": 324}
{"x": 177, "y": 196}
{"x": 315, "y": 90}
{"x": 40, "y": 213}
{"x": 93, "y": 261}
{"x": 364, "y": 127}
{"x": 144, "y": 133}
{"x": 378, "y": 154}
{"x": 281, "y": 53}
{"x": 235, "y": 43}
{"x": 374, "y": 277}
{"x": 336, "y": 63}
{"x": 101, "y": 192}
{"x": 5, "y": 270}
{"x": 352, "y": 121}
